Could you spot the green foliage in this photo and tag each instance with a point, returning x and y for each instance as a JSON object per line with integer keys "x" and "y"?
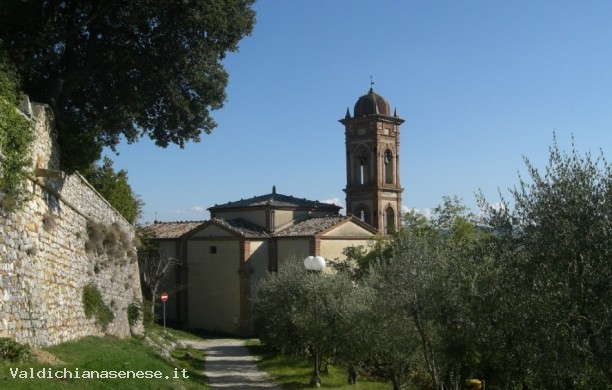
{"x": 94, "y": 306}
{"x": 98, "y": 65}
{"x": 431, "y": 288}
{"x": 359, "y": 259}
{"x": 133, "y": 313}
{"x": 303, "y": 313}
{"x": 12, "y": 351}
{"x": 522, "y": 302}
{"x": 79, "y": 145}
{"x": 15, "y": 138}
{"x": 106, "y": 354}
{"x": 292, "y": 371}
{"x": 557, "y": 275}
{"x": 280, "y": 296}
{"x": 148, "y": 313}
{"x": 114, "y": 187}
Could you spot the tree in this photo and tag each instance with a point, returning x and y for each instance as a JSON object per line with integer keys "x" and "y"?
{"x": 358, "y": 259}
{"x": 154, "y": 265}
{"x": 299, "y": 312}
{"x": 280, "y": 296}
{"x": 116, "y": 68}
{"x": 561, "y": 229}
{"x": 430, "y": 288}
{"x": 115, "y": 188}
{"x": 385, "y": 338}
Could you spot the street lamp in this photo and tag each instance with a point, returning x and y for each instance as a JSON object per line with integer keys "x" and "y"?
{"x": 315, "y": 264}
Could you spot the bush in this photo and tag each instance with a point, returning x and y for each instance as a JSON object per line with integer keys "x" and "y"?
{"x": 15, "y": 138}
{"x": 110, "y": 240}
{"x": 12, "y": 351}
{"x": 148, "y": 317}
{"x": 95, "y": 307}
{"x": 133, "y": 313}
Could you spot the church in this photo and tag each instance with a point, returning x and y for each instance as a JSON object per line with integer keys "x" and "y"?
{"x": 223, "y": 259}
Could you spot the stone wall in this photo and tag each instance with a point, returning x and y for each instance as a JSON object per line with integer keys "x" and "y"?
{"x": 45, "y": 257}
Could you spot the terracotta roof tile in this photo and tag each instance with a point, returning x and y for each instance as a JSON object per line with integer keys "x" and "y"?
{"x": 310, "y": 226}
{"x": 169, "y": 230}
{"x": 274, "y": 199}
{"x": 242, "y": 227}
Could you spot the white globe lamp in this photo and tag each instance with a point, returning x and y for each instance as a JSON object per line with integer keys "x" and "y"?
{"x": 314, "y": 263}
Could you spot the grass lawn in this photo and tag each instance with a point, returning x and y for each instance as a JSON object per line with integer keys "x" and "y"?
{"x": 105, "y": 355}
{"x": 294, "y": 372}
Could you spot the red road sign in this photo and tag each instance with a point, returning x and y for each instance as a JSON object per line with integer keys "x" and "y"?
{"x": 164, "y": 297}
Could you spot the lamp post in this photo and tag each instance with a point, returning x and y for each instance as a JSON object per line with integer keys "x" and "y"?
{"x": 315, "y": 264}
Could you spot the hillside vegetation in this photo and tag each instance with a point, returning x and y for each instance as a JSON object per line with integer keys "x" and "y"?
{"x": 109, "y": 356}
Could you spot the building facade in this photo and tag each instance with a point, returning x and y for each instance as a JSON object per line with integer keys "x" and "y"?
{"x": 223, "y": 259}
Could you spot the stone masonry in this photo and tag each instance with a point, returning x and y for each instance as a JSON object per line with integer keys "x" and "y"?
{"x": 44, "y": 259}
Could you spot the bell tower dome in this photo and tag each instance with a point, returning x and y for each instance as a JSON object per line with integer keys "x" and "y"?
{"x": 373, "y": 191}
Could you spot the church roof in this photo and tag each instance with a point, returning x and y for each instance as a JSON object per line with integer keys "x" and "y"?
{"x": 276, "y": 200}
{"x": 242, "y": 227}
{"x": 311, "y": 226}
{"x": 170, "y": 230}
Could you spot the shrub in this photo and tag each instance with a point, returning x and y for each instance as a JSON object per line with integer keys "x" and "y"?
{"x": 148, "y": 317}
{"x": 110, "y": 240}
{"x": 133, "y": 313}
{"x": 13, "y": 351}
{"x": 16, "y": 135}
{"x": 95, "y": 307}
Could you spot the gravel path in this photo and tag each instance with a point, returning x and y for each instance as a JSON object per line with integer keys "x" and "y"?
{"x": 230, "y": 366}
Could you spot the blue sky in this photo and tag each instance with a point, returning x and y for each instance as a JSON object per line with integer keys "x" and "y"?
{"x": 480, "y": 84}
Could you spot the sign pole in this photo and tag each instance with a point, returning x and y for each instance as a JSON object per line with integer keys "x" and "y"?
{"x": 164, "y": 298}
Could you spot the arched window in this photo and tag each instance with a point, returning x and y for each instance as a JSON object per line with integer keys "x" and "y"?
{"x": 388, "y": 167}
{"x": 389, "y": 220}
{"x": 362, "y": 169}
{"x": 363, "y": 213}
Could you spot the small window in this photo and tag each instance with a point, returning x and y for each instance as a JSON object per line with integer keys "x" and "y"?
{"x": 212, "y": 250}
{"x": 389, "y": 221}
{"x": 363, "y": 161}
{"x": 388, "y": 170}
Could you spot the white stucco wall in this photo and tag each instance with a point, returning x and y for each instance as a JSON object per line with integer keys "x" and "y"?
{"x": 214, "y": 288}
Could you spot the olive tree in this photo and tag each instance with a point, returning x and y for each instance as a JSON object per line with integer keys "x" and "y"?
{"x": 558, "y": 239}
{"x": 315, "y": 314}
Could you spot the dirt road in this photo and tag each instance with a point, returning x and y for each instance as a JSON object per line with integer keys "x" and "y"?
{"x": 230, "y": 366}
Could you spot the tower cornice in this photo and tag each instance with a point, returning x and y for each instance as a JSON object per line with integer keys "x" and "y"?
{"x": 364, "y": 119}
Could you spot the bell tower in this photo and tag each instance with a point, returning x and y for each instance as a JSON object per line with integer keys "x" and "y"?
{"x": 373, "y": 191}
